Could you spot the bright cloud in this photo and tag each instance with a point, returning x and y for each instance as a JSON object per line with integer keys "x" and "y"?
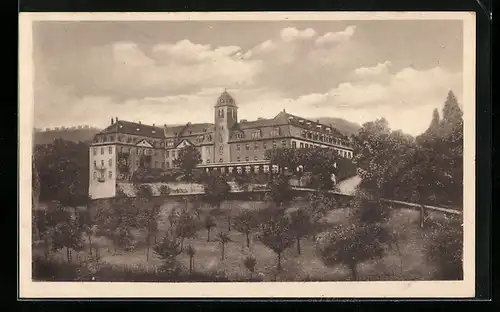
{"x": 336, "y": 37}
{"x": 379, "y": 69}
{"x": 292, "y": 33}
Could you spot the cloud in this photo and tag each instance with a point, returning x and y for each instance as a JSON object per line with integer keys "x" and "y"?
{"x": 379, "y": 69}
{"x": 292, "y": 33}
{"x": 336, "y": 37}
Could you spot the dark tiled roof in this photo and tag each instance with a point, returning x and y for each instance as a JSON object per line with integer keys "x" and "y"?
{"x": 189, "y": 129}
{"x": 128, "y": 127}
{"x": 311, "y": 125}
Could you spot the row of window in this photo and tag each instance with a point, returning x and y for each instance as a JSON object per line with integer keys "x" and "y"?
{"x": 138, "y": 151}
{"x": 110, "y": 175}
{"x": 258, "y": 134}
{"x": 248, "y": 169}
{"x": 256, "y": 145}
{"x": 127, "y": 139}
{"x": 321, "y": 137}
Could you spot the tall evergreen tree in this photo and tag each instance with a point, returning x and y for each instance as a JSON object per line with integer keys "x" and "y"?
{"x": 452, "y": 114}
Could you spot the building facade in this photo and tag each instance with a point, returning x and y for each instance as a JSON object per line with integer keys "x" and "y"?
{"x": 227, "y": 144}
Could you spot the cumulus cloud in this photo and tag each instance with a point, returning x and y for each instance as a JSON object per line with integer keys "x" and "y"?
{"x": 336, "y": 37}
{"x": 292, "y": 33}
{"x": 377, "y": 70}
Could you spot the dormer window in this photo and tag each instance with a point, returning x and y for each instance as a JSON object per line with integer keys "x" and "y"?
{"x": 276, "y": 131}
{"x": 137, "y": 129}
{"x": 239, "y": 135}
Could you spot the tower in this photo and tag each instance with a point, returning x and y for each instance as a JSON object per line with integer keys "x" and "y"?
{"x": 225, "y": 117}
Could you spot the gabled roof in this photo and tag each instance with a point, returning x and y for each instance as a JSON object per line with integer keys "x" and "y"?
{"x": 127, "y": 127}
{"x": 310, "y": 125}
{"x": 145, "y": 143}
{"x": 184, "y": 142}
{"x": 188, "y": 129}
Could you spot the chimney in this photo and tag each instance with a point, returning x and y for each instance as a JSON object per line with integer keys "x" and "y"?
{"x": 116, "y": 119}
{"x": 111, "y": 120}
{"x": 284, "y": 110}
{"x": 153, "y": 125}
{"x": 139, "y": 122}
{"x": 317, "y": 120}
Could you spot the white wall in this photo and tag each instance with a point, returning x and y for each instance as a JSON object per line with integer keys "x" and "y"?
{"x": 107, "y": 188}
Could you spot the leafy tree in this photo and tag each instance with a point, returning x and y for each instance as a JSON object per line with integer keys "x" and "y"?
{"x": 185, "y": 226}
{"x": 300, "y": 225}
{"x": 209, "y": 224}
{"x": 363, "y": 238}
{"x": 279, "y": 190}
{"x": 446, "y": 249}
{"x": 86, "y": 222}
{"x": 223, "y": 238}
{"x": 216, "y": 190}
{"x": 187, "y": 159}
{"x": 452, "y": 114}
{"x": 60, "y": 164}
{"x": 249, "y": 262}
{"x": 245, "y": 223}
{"x": 191, "y": 251}
{"x": 67, "y": 232}
{"x": 168, "y": 250}
{"x": 116, "y": 221}
{"x": 277, "y": 236}
{"x": 319, "y": 205}
{"x": 44, "y": 228}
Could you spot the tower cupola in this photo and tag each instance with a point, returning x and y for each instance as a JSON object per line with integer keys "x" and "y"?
{"x": 225, "y": 99}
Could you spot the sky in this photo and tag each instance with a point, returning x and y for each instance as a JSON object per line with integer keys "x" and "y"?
{"x": 172, "y": 72}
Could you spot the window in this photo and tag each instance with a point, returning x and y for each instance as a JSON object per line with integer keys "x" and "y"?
{"x": 256, "y": 134}
{"x": 276, "y": 131}
{"x": 168, "y": 153}
{"x": 301, "y": 145}
{"x": 167, "y": 164}
{"x": 247, "y": 158}
{"x": 102, "y": 150}
{"x": 221, "y": 160}
{"x": 110, "y": 174}
{"x": 208, "y": 161}
{"x": 137, "y": 151}
{"x": 162, "y": 165}
{"x": 247, "y": 146}
{"x": 239, "y": 135}
{"x": 208, "y": 149}
{"x": 95, "y": 175}
{"x": 94, "y": 150}
{"x": 283, "y": 143}
{"x": 111, "y": 138}
{"x": 255, "y": 158}
{"x": 237, "y": 159}
{"x": 264, "y": 145}
{"x": 156, "y": 164}
{"x": 110, "y": 162}
{"x": 156, "y": 153}
{"x": 306, "y": 145}
{"x": 95, "y": 164}
{"x": 294, "y": 144}
{"x": 102, "y": 163}
{"x": 237, "y": 147}
{"x": 137, "y": 163}
{"x": 274, "y": 144}
{"x": 220, "y": 139}
{"x": 256, "y": 146}
{"x": 221, "y": 149}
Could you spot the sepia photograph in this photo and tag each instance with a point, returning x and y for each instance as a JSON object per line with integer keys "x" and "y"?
{"x": 244, "y": 154}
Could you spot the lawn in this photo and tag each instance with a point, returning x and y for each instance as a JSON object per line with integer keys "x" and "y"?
{"x": 413, "y": 264}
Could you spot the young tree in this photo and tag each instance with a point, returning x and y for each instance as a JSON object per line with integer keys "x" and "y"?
{"x": 168, "y": 250}
{"x": 67, "y": 232}
{"x": 209, "y": 224}
{"x": 276, "y": 236}
{"x": 300, "y": 225}
{"x": 185, "y": 226}
{"x": 249, "y": 262}
{"x": 187, "y": 159}
{"x": 191, "y": 251}
{"x": 245, "y": 223}
{"x": 223, "y": 238}
{"x": 319, "y": 205}
{"x": 363, "y": 238}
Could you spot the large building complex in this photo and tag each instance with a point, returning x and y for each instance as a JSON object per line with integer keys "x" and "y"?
{"x": 226, "y": 145}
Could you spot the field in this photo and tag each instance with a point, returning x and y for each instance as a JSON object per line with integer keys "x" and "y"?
{"x": 409, "y": 263}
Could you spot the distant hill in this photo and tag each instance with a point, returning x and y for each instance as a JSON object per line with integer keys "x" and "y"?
{"x": 71, "y": 134}
{"x": 344, "y": 126}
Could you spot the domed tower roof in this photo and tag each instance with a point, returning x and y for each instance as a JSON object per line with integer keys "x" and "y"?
{"x": 225, "y": 99}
